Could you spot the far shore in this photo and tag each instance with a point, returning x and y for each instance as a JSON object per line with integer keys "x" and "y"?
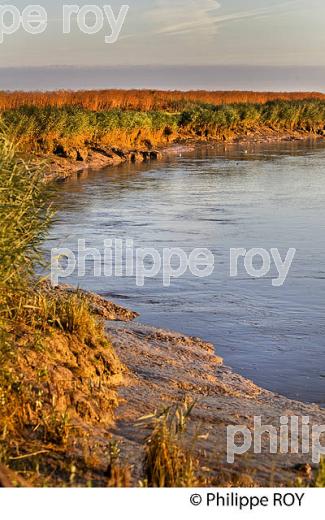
{"x": 61, "y": 168}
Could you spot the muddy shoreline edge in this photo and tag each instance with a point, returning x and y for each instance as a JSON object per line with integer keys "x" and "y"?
{"x": 70, "y": 162}
{"x": 164, "y": 367}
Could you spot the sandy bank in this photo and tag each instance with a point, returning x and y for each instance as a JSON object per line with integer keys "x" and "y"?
{"x": 163, "y": 367}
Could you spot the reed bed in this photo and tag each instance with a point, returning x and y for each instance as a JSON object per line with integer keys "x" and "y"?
{"x": 42, "y": 129}
{"x": 143, "y": 100}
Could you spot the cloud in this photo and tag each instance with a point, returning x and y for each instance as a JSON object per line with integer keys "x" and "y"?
{"x": 180, "y": 17}
{"x": 254, "y": 13}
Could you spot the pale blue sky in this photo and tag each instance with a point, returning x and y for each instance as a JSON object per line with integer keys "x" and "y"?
{"x": 225, "y": 44}
{"x": 187, "y": 32}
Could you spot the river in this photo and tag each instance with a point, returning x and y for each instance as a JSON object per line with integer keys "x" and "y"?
{"x": 222, "y": 197}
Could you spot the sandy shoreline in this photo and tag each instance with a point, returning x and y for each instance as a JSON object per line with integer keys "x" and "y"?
{"x": 163, "y": 367}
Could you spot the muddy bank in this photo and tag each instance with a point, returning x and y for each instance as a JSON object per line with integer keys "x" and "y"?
{"x": 70, "y": 397}
{"x": 66, "y": 162}
{"x": 164, "y": 366}
{"x": 58, "y": 387}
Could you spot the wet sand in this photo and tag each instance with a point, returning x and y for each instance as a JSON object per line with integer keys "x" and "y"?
{"x": 163, "y": 367}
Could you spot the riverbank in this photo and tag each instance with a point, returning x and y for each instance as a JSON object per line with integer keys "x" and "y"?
{"x": 100, "y": 389}
{"x": 164, "y": 367}
{"x": 72, "y": 162}
{"x": 72, "y": 137}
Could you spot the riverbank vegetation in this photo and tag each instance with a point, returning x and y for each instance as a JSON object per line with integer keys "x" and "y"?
{"x": 58, "y": 370}
{"x": 144, "y": 100}
{"x": 50, "y": 128}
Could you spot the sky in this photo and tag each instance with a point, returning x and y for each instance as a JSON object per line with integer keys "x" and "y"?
{"x": 231, "y": 34}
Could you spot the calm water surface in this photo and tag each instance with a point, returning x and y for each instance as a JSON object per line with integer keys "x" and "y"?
{"x": 218, "y": 198}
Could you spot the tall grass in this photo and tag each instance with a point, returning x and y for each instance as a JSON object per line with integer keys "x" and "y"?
{"x": 320, "y": 475}
{"x": 211, "y": 120}
{"x": 24, "y": 217}
{"x": 57, "y": 367}
{"x": 143, "y": 100}
{"x": 43, "y": 129}
{"x": 169, "y": 462}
